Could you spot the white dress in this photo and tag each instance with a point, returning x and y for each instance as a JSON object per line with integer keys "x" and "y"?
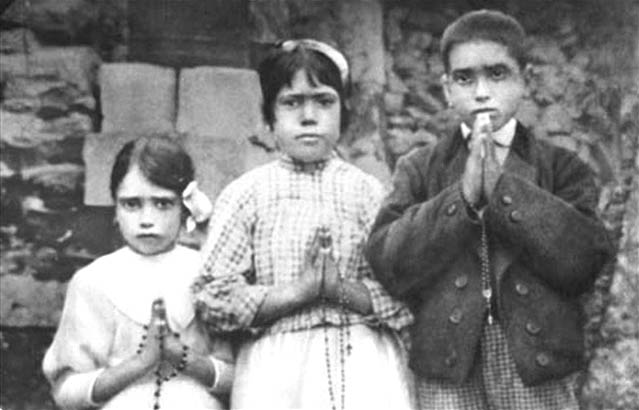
{"x": 107, "y": 304}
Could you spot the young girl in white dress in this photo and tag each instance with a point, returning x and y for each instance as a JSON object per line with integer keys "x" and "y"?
{"x": 128, "y": 338}
{"x": 284, "y": 264}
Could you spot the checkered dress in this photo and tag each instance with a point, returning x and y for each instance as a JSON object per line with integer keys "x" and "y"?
{"x": 495, "y": 384}
{"x": 261, "y": 227}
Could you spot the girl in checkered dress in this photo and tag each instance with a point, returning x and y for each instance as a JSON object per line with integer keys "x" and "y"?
{"x": 284, "y": 264}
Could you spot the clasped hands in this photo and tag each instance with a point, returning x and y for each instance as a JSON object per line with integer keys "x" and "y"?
{"x": 482, "y": 168}
{"x": 162, "y": 346}
{"x": 321, "y": 278}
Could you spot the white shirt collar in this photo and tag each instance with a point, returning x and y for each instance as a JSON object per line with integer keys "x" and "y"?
{"x": 503, "y": 136}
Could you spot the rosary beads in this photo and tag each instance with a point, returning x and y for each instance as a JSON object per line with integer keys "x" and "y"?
{"x": 343, "y": 331}
{"x": 160, "y": 377}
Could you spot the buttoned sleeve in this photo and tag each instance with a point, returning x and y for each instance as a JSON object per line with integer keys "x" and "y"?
{"x": 81, "y": 345}
{"x": 556, "y": 232}
{"x": 417, "y": 234}
{"x": 226, "y": 295}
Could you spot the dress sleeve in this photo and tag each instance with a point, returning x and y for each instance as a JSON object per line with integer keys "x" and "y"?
{"x": 226, "y": 296}
{"x": 387, "y": 310}
{"x": 222, "y": 359}
{"x": 80, "y": 348}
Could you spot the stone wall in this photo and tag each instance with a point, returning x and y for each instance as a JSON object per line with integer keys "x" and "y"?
{"x": 584, "y": 96}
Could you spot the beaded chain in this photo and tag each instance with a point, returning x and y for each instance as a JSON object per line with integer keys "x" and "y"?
{"x": 343, "y": 331}
{"x": 161, "y": 378}
{"x": 486, "y": 287}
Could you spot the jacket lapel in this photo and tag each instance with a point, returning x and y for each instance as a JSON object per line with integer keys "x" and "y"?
{"x": 520, "y": 159}
{"x": 520, "y": 162}
{"x": 455, "y": 155}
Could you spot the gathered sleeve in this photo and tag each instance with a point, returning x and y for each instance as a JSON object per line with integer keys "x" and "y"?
{"x": 387, "y": 310}
{"x": 81, "y": 345}
{"x": 221, "y": 358}
{"x": 226, "y": 295}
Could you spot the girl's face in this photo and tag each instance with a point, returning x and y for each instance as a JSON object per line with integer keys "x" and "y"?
{"x": 484, "y": 77}
{"x": 149, "y": 216}
{"x": 307, "y": 119}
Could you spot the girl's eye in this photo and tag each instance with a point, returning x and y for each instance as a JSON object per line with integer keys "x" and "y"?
{"x": 164, "y": 203}
{"x": 289, "y": 102}
{"x": 130, "y": 204}
{"x": 327, "y": 101}
{"x": 498, "y": 73}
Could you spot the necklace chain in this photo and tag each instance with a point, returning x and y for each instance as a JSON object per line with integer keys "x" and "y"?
{"x": 486, "y": 286}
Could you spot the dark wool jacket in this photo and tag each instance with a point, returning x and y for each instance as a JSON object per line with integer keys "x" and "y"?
{"x": 546, "y": 247}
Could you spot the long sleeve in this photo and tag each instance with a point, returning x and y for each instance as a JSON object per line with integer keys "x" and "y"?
{"x": 415, "y": 236}
{"x": 387, "y": 310}
{"x": 557, "y": 233}
{"x": 80, "y": 347}
{"x": 226, "y": 296}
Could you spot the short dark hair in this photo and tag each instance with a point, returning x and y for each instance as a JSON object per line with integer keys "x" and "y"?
{"x": 489, "y": 25}
{"x": 279, "y": 67}
{"x": 160, "y": 158}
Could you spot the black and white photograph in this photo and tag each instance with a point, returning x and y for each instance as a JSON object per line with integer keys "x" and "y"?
{"x": 319, "y": 204}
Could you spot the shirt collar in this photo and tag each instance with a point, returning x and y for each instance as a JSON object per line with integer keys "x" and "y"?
{"x": 503, "y": 136}
{"x": 296, "y": 165}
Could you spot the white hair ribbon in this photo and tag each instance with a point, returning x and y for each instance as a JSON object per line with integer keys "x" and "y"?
{"x": 198, "y": 204}
{"x": 332, "y": 53}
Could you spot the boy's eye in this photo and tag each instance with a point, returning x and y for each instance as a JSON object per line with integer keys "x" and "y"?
{"x": 463, "y": 78}
{"x": 130, "y": 204}
{"x": 164, "y": 203}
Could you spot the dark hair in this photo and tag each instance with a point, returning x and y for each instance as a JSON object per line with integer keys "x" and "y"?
{"x": 160, "y": 158}
{"x": 279, "y": 67}
{"x": 489, "y": 25}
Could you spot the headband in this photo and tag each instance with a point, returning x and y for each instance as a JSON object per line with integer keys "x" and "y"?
{"x": 332, "y": 53}
{"x": 198, "y": 204}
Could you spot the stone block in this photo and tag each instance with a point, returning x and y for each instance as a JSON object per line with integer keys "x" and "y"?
{"x": 26, "y": 301}
{"x": 220, "y": 102}
{"x": 137, "y": 97}
{"x": 393, "y": 102}
{"x": 555, "y": 119}
{"x": 19, "y": 40}
{"x": 99, "y": 154}
{"x": 76, "y": 65}
{"x": 218, "y": 161}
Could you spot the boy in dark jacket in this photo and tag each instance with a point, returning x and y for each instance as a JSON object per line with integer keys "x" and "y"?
{"x": 491, "y": 236}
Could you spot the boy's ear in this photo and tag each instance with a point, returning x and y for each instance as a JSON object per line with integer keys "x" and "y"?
{"x": 445, "y": 84}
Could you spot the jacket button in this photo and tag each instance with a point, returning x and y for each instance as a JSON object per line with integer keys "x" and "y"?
{"x": 542, "y": 359}
{"x": 506, "y": 200}
{"x": 461, "y": 282}
{"x": 451, "y": 360}
{"x": 516, "y": 216}
{"x": 533, "y": 328}
{"x": 456, "y": 316}
{"x": 452, "y": 208}
{"x": 521, "y": 289}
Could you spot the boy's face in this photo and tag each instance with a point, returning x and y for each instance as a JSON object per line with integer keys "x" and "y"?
{"x": 484, "y": 77}
{"x": 149, "y": 216}
{"x": 307, "y": 119}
